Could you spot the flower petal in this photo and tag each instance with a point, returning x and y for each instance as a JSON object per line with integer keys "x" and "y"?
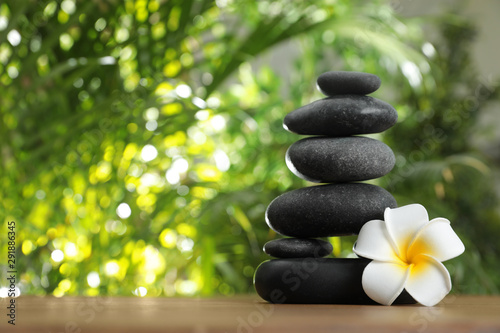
{"x": 438, "y": 240}
{"x": 374, "y": 242}
{"x": 429, "y": 281}
{"x": 403, "y": 223}
{"x": 383, "y": 281}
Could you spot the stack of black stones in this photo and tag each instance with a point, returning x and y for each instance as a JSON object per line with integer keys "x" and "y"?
{"x": 337, "y": 156}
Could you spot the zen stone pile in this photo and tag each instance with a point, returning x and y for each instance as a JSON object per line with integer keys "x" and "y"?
{"x": 336, "y": 155}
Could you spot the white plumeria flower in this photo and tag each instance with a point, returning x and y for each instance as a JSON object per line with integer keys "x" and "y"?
{"x": 407, "y": 250}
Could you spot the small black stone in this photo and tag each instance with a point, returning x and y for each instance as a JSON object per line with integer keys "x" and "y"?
{"x": 328, "y": 210}
{"x": 298, "y": 248}
{"x": 340, "y": 83}
{"x": 315, "y": 281}
{"x": 342, "y": 116}
{"x": 329, "y": 160}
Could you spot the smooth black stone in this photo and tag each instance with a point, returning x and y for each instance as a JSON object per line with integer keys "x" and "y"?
{"x": 340, "y": 83}
{"x": 327, "y": 210}
{"x": 342, "y": 116}
{"x": 315, "y": 281}
{"x": 298, "y": 248}
{"x": 329, "y": 160}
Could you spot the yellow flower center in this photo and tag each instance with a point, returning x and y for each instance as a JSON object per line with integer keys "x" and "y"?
{"x": 412, "y": 258}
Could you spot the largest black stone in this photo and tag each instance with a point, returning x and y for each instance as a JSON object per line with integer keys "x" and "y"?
{"x": 328, "y": 210}
{"x": 315, "y": 281}
{"x": 342, "y": 116}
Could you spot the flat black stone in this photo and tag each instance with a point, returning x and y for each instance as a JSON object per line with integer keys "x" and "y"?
{"x": 327, "y": 210}
{"x": 340, "y": 83}
{"x": 329, "y": 160}
{"x": 315, "y": 281}
{"x": 298, "y": 248}
{"x": 342, "y": 116}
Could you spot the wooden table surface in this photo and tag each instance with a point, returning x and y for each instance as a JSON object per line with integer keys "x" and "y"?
{"x": 246, "y": 314}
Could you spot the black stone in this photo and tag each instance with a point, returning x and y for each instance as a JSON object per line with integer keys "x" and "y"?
{"x": 327, "y": 210}
{"x": 340, "y": 83}
{"x": 342, "y": 116}
{"x": 329, "y": 160}
{"x": 315, "y": 281}
{"x": 298, "y": 248}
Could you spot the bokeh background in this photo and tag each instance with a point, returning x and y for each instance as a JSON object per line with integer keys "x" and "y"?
{"x": 142, "y": 140}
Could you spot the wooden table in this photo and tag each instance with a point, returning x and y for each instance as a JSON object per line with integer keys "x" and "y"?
{"x": 246, "y": 314}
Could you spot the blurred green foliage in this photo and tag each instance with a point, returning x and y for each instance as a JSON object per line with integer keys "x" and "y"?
{"x": 141, "y": 143}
